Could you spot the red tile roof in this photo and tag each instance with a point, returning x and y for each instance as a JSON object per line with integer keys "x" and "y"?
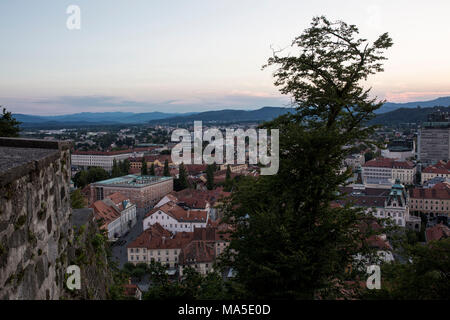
{"x": 178, "y": 213}
{"x": 440, "y": 191}
{"x": 198, "y": 198}
{"x": 437, "y": 232}
{"x": 198, "y": 251}
{"x": 441, "y": 167}
{"x": 117, "y": 198}
{"x": 156, "y": 237}
{"x": 389, "y": 163}
{"x": 104, "y": 212}
{"x": 130, "y": 290}
{"x": 112, "y": 153}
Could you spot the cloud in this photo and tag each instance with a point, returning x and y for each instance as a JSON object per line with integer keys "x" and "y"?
{"x": 415, "y": 95}
{"x": 103, "y": 103}
{"x": 92, "y": 101}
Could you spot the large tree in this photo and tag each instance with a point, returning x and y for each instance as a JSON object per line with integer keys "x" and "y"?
{"x": 9, "y": 126}
{"x": 166, "y": 171}
{"x": 182, "y": 181}
{"x": 77, "y": 200}
{"x": 228, "y": 180}
{"x": 210, "y": 177}
{"x": 152, "y": 170}
{"x": 144, "y": 170}
{"x": 116, "y": 170}
{"x": 289, "y": 242}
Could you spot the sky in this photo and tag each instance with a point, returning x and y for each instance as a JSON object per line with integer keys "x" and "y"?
{"x": 197, "y": 55}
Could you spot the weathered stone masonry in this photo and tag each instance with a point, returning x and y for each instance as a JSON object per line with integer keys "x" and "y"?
{"x": 35, "y": 214}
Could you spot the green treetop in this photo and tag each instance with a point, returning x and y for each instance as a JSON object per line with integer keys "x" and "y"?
{"x": 9, "y": 126}
{"x": 287, "y": 235}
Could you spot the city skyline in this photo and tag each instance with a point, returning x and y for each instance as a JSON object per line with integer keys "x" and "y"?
{"x": 197, "y": 56}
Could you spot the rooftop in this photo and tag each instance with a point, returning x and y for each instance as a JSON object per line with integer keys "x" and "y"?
{"x": 133, "y": 181}
{"x": 440, "y": 191}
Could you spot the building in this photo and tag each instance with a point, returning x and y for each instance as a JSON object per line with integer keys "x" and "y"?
{"x": 434, "y": 201}
{"x": 384, "y": 171}
{"x": 235, "y": 168}
{"x": 382, "y": 203}
{"x": 105, "y": 160}
{"x": 198, "y": 248}
{"x": 175, "y": 219}
{"x": 400, "y": 149}
{"x": 159, "y": 245}
{"x": 354, "y": 161}
{"x": 434, "y": 139}
{"x": 199, "y": 255}
{"x": 157, "y": 160}
{"x": 440, "y": 169}
{"x": 192, "y": 199}
{"x": 144, "y": 191}
{"x": 117, "y": 213}
{"x": 132, "y": 291}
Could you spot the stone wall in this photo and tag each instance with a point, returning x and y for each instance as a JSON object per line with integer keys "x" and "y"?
{"x": 35, "y": 228}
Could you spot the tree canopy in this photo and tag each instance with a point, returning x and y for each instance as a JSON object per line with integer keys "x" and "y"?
{"x": 9, "y": 126}
{"x": 287, "y": 235}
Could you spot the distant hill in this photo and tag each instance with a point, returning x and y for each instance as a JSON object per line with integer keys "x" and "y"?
{"x": 386, "y": 115}
{"x": 227, "y": 116}
{"x": 405, "y": 115}
{"x": 94, "y": 118}
{"x": 390, "y": 106}
{"x": 111, "y": 118}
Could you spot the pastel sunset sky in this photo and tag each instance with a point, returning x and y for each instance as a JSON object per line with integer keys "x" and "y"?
{"x": 196, "y": 55}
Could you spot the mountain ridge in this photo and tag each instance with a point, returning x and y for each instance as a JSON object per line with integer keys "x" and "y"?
{"x": 225, "y": 115}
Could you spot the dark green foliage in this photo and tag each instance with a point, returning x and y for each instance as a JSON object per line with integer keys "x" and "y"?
{"x": 144, "y": 170}
{"x": 182, "y": 181}
{"x": 77, "y": 200}
{"x": 192, "y": 286}
{"x": 228, "y": 180}
{"x": 9, "y": 126}
{"x": 166, "y": 169}
{"x": 93, "y": 174}
{"x": 152, "y": 170}
{"x": 288, "y": 238}
{"x": 425, "y": 276}
{"x": 210, "y": 177}
{"x": 116, "y": 171}
{"x": 125, "y": 167}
